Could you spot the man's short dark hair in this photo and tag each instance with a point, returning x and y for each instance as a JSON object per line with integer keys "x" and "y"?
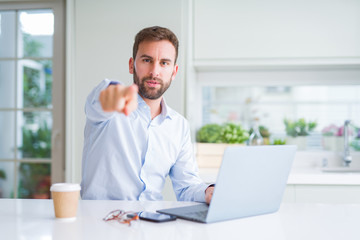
{"x": 155, "y": 33}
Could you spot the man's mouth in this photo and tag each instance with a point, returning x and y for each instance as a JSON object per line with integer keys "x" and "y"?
{"x": 152, "y": 83}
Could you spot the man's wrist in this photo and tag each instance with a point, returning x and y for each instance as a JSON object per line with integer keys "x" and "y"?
{"x": 211, "y": 185}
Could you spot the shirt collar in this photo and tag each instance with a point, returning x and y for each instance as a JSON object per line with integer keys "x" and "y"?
{"x": 166, "y": 111}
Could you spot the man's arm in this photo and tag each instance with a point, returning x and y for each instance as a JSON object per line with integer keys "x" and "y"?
{"x": 108, "y": 97}
{"x": 187, "y": 184}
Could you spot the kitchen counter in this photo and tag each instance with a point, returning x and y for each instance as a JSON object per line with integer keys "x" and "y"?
{"x": 34, "y": 219}
{"x": 307, "y": 169}
{"x": 317, "y": 176}
{"x": 300, "y": 176}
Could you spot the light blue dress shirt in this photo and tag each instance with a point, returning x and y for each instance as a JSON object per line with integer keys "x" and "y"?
{"x": 129, "y": 157}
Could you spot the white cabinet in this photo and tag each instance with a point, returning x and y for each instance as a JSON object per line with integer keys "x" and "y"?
{"x": 322, "y": 194}
{"x": 289, "y": 194}
{"x": 249, "y": 29}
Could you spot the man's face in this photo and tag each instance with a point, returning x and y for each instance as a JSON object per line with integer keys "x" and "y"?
{"x": 154, "y": 68}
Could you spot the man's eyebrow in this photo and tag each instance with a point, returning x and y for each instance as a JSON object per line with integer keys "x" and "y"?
{"x": 163, "y": 59}
{"x": 166, "y": 60}
{"x": 146, "y": 56}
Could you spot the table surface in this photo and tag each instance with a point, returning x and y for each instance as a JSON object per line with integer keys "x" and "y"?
{"x": 34, "y": 219}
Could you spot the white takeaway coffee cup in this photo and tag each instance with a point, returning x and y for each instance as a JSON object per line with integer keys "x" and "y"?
{"x": 66, "y": 198}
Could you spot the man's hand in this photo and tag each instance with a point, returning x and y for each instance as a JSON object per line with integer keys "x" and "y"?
{"x": 119, "y": 98}
{"x": 208, "y": 194}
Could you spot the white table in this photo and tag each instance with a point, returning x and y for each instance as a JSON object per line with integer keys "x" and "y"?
{"x": 34, "y": 219}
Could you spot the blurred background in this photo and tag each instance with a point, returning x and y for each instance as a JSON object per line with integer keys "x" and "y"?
{"x": 290, "y": 68}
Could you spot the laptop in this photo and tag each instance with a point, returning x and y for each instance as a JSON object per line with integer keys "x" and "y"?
{"x": 251, "y": 181}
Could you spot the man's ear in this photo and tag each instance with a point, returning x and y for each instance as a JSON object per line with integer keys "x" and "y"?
{"x": 176, "y": 68}
{"x": 131, "y": 65}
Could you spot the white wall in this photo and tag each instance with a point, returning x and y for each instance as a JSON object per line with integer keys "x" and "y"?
{"x": 100, "y": 39}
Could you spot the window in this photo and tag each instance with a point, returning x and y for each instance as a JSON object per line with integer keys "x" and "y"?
{"x": 321, "y": 98}
{"x": 31, "y": 152}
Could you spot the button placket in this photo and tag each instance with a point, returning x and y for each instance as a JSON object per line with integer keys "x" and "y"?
{"x": 143, "y": 176}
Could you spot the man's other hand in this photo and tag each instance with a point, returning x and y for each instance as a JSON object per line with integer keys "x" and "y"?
{"x": 119, "y": 98}
{"x": 208, "y": 194}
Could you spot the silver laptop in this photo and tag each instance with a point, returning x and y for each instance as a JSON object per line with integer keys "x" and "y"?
{"x": 251, "y": 181}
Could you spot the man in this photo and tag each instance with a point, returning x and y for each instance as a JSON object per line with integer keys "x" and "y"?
{"x": 133, "y": 140}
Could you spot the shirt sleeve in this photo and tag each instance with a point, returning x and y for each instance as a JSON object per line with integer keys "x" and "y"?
{"x": 187, "y": 184}
{"x": 93, "y": 109}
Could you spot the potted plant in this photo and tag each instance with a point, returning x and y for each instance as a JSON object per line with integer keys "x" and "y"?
{"x": 232, "y": 133}
{"x": 333, "y": 139}
{"x": 212, "y": 139}
{"x": 210, "y": 133}
{"x": 278, "y": 141}
{"x": 297, "y": 131}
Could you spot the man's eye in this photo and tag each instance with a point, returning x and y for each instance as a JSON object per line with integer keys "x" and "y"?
{"x": 165, "y": 63}
{"x": 146, "y": 60}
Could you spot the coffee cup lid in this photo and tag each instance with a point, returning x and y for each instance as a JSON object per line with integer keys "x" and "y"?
{"x": 65, "y": 187}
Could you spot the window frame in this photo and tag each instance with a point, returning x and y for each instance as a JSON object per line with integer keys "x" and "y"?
{"x": 57, "y": 160}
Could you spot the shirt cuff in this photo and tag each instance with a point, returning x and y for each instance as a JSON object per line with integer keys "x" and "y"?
{"x": 200, "y": 194}
{"x": 114, "y": 83}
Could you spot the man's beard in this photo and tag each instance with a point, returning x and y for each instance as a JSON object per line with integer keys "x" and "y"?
{"x": 150, "y": 92}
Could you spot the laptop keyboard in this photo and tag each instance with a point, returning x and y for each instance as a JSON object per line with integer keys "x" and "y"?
{"x": 196, "y": 212}
{"x": 198, "y": 215}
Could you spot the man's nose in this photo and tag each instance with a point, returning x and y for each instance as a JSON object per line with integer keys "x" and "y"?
{"x": 155, "y": 70}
